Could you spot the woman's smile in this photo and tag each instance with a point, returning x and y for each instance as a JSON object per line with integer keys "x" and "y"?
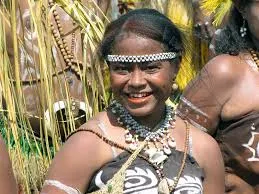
{"x": 139, "y": 98}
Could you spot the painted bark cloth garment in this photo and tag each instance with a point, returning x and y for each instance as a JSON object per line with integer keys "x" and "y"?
{"x": 239, "y": 142}
{"x": 141, "y": 177}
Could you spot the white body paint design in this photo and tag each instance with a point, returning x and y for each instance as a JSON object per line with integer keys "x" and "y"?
{"x": 186, "y": 184}
{"x": 249, "y": 144}
{"x": 140, "y": 176}
{"x": 189, "y": 185}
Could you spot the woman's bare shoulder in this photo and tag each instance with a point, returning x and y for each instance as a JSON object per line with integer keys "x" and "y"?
{"x": 83, "y": 137}
{"x": 225, "y": 66}
{"x": 80, "y": 147}
{"x": 205, "y": 146}
{"x": 94, "y": 122}
{"x": 82, "y": 154}
{"x": 203, "y": 140}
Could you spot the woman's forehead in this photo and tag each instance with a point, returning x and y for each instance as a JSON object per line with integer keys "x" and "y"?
{"x": 133, "y": 44}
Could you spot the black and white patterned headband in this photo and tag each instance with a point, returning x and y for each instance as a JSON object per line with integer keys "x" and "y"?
{"x": 141, "y": 58}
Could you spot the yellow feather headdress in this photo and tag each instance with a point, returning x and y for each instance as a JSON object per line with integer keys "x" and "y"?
{"x": 180, "y": 12}
{"x": 219, "y": 9}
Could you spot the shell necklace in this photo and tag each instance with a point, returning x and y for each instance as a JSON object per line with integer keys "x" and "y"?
{"x": 158, "y": 136}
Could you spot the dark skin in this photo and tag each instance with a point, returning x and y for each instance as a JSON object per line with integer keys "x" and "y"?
{"x": 142, "y": 89}
{"x": 202, "y": 23}
{"x": 223, "y": 91}
{"x": 221, "y": 87}
{"x": 7, "y": 183}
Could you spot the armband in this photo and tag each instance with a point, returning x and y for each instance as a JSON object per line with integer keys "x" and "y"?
{"x": 188, "y": 111}
{"x": 61, "y": 186}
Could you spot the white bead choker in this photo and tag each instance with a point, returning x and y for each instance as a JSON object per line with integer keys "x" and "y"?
{"x": 141, "y": 58}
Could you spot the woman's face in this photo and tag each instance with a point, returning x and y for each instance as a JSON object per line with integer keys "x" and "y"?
{"x": 141, "y": 88}
{"x": 252, "y": 16}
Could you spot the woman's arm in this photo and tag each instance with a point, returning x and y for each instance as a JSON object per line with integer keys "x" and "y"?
{"x": 74, "y": 165}
{"x": 214, "y": 182}
{"x": 205, "y": 96}
{"x": 207, "y": 153}
{"x": 7, "y": 181}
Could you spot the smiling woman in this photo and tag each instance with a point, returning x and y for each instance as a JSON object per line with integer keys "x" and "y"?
{"x": 138, "y": 145}
{"x": 143, "y": 86}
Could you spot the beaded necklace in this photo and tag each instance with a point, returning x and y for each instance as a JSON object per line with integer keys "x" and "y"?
{"x": 160, "y": 134}
{"x": 155, "y": 157}
{"x": 59, "y": 37}
{"x": 255, "y": 57}
{"x": 68, "y": 55}
{"x": 165, "y": 186}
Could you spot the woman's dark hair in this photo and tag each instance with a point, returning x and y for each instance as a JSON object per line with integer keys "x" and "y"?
{"x": 229, "y": 40}
{"x": 147, "y": 23}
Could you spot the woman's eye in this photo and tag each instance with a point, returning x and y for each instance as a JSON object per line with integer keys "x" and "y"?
{"x": 152, "y": 68}
{"x": 120, "y": 69}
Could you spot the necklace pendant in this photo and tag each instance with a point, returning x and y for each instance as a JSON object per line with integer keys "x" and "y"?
{"x": 158, "y": 158}
{"x": 150, "y": 152}
{"x": 171, "y": 143}
{"x": 163, "y": 187}
{"x": 155, "y": 156}
{"x": 167, "y": 150}
{"x": 128, "y": 138}
{"x": 133, "y": 146}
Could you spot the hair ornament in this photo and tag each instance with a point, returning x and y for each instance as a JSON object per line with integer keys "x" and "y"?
{"x": 141, "y": 58}
{"x": 243, "y": 29}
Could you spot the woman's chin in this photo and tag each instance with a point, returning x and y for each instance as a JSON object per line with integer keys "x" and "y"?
{"x": 140, "y": 111}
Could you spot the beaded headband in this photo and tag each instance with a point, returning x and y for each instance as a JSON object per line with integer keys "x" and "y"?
{"x": 141, "y": 58}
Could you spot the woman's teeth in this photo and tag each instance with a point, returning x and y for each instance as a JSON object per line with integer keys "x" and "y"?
{"x": 139, "y": 95}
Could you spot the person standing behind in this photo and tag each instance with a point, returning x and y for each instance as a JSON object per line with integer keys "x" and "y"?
{"x": 223, "y": 99}
{"x": 7, "y": 181}
{"x": 138, "y": 144}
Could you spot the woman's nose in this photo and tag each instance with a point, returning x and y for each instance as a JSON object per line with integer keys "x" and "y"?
{"x": 137, "y": 77}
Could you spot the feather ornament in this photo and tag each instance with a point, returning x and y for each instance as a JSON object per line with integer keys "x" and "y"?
{"x": 219, "y": 9}
{"x": 181, "y": 12}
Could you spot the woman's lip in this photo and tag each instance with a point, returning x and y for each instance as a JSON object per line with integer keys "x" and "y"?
{"x": 138, "y": 95}
{"x": 138, "y": 100}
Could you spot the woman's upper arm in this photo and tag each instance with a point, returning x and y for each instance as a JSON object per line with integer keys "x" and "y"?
{"x": 213, "y": 165}
{"x": 210, "y": 90}
{"x": 75, "y": 163}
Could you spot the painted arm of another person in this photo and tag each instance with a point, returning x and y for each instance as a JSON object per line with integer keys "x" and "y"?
{"x": 203, "y": 99}
{"x": 74, "y": 164}
{"x": 7, "y": 181}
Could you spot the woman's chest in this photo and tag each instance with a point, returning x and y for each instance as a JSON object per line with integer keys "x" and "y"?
{"x": 141, "y": 177}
